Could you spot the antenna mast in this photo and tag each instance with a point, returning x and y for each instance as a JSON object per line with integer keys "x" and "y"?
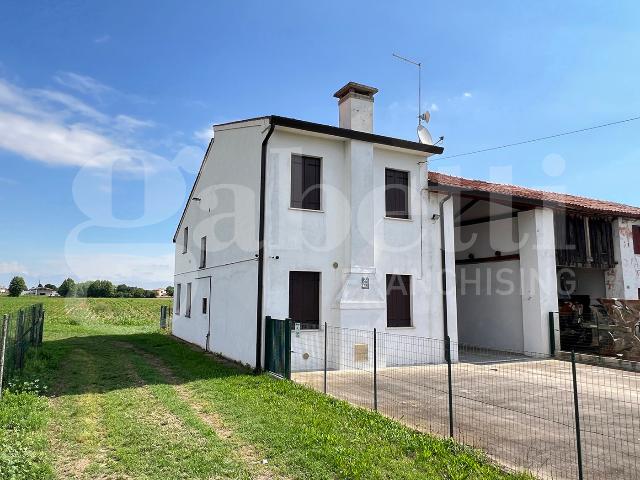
{"x": 419, "y": 65}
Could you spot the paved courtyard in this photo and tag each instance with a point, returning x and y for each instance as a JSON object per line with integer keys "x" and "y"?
{"x": 518, "y": 410}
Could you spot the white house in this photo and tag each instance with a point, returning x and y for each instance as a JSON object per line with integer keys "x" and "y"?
{"x": 344, "y": 227}
{"x": 289, "y": 218}
{"x": 41, "y": 291}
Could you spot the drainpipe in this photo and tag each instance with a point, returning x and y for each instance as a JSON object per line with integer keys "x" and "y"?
{"x": 263, "y": 188}
{"x": 443, "y": 265}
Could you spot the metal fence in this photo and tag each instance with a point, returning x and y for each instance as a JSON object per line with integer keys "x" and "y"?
{"x": 528, "y": 411}
{"x": 21, "y": 330}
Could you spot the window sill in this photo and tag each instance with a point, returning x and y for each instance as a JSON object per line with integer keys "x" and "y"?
{"x": 401, "y": 328}
{"x": 306, "y": 210}
{"x": 400, "y": 219}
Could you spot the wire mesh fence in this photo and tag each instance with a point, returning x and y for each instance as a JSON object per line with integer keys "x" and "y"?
{"x": 20, "y": 331}
{"x": 528, "y": 411}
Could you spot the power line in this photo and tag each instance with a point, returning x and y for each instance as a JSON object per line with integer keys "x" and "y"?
{"x": 540, "y": 138}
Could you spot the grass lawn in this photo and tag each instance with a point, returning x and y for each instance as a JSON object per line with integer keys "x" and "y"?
{"x": 127, "y": 401}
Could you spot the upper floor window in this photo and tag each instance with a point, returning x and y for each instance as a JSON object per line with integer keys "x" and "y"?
{"x": 636, "y": 239}
{"x": 396, "y": 184}
{"x": 203, "y": 252}
{"x": 185, "y": 239}
{"x": 305, "y": 182}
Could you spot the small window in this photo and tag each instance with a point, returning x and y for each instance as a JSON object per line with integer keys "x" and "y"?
{"x": 305, "y": 182}
{"x": 204, "y": 305}
{"x": 398, "y": 300}
{"x": 396, "y": 193}
{"x": 177, "y": 295}
{"x": 636, "y": 239}
{"x": 185, "y": 239}
{"x": 187, "y": 312}
{"x": 304, "y": 299}
{"x": 203, "y": 252}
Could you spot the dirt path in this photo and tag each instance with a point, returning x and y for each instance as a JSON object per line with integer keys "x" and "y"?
{"x": 261, "y": 470}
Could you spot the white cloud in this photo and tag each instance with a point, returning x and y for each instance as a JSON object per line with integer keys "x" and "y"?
{"x": 434, "y": 107}
{"x": 102, "y": 39}
{"x": 82, "y": 83}
{"x": 12, "y": 267}
{"x": 59, "y": 129}
{"x": 129, "y": 124}
{"x": 467, "y": 95}
{"x": 204, "y": 134}
{"x": 122, "y": 268}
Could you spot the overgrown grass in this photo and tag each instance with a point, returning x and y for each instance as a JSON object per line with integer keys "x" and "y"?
{"x": 129, "y": 401}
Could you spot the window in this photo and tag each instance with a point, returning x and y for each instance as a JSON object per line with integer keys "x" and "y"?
{"x": 398, "y": 300}
{"x": 204, "y": 305}
{"x": 304, "y": 299}
{"x": 305, "y": 182}
{"x": 185, "y": 239}
{"x": 203, "y": 252}
{"x": 176, "y": 300}
{"x": 187, "y": 312}
{"x": 636, "y": 239}
{"x": 396, "y": 185}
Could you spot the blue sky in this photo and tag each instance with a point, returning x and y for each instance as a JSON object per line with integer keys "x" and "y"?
{"x": 104, "y": 106}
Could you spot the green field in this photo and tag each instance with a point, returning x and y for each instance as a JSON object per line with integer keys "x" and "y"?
{"x": 125, "y": 400}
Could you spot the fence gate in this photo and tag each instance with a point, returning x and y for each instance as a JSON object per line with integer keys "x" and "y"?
{"x": 278, "y": 347}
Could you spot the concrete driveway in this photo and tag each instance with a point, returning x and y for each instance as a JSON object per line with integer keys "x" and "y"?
{"x": 518, "y": 410}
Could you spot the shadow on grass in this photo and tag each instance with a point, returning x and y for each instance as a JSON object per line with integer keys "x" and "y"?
{"x": 103, "y": 363}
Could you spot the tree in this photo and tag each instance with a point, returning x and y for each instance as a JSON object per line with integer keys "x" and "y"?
{"x": 67, "y": 288}
{"x": 100, "y": 289}
{"x": 169, "y": 290}
{"x": 17, "y": 286}
{"x": 50, "y": 286}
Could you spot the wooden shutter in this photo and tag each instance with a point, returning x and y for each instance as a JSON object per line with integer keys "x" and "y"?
{"x": 304, "y": 299}
{"x": 398, "y": 300}
{"x": 396, "y": 193}
{"x": 297, "y": 173}
{"x": 636, "y": 239}
{"x": 311, "y": 194}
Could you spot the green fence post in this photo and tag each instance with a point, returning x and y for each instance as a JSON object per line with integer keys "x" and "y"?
{"x": 287, "y": 348}
{"x": 3, "y": 348}
{"x": 552, "y": 334}
{"x": 576, "y": 408}
{"x": 325, "y": 358}
{"x": 267, "y": 343}
{"x": 447, "y": 354}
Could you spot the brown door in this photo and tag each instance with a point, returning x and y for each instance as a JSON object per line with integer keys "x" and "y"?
{"x": 304, "y": 299}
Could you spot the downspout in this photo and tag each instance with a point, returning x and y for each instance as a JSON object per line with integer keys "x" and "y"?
{"x": 443, "y": 265}
{"x": 263, "y": 188}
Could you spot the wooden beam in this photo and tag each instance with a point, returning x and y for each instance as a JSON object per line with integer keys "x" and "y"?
{"x": 501, "y": 258}
{"x": 475, "y": 221}
{"x": 466, "y": 207}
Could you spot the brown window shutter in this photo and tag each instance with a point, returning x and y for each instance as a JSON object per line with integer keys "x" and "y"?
{"x": 396, "y": 193}
{"x": 304, "y": 299}
{"x": 297, "y": 173}
{"x": 398, "y": 300}
{"x": 636, "y": 239}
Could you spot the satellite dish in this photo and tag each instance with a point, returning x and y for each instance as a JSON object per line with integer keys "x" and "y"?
{"x": 424, "y": 135}
{"x": 426, "y": 116}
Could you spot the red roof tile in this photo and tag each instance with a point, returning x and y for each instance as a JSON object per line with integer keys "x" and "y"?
{"x": 551, "y": 199}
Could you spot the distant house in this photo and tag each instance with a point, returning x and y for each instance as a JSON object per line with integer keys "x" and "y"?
{"x": 41, "y": 292}
{"x": 3, "y": 290}
{"x": 161, "y": 292}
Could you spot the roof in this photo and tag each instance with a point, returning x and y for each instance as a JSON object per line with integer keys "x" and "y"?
{"x": 342, "y": 132}
{"x": 449, "y": 183}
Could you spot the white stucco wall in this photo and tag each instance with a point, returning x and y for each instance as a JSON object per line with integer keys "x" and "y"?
{"x": 488, "y": 294}
{"x": 538, "y": 277}
{"x": 314, "y": 240}
{"x": 227, "y": 215}
{"x": 623, "y": 281}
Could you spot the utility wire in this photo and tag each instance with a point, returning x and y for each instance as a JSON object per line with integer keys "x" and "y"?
{"x": 540, "y": 138}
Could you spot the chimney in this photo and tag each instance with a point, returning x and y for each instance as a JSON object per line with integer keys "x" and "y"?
{"x": 355, "y": 102}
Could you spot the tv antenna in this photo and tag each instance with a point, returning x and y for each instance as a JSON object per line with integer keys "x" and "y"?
{"x": 423, "y": 134}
